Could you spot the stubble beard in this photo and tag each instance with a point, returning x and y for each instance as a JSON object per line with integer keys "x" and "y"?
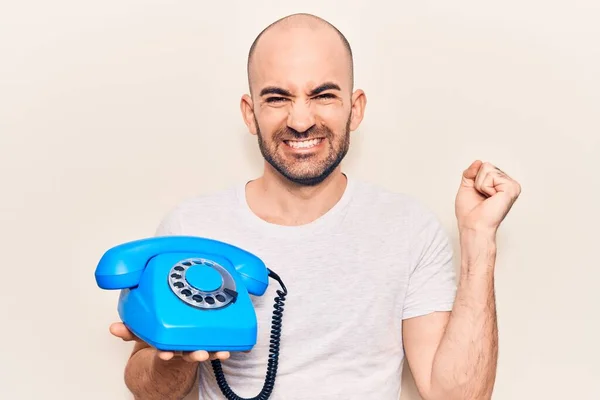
{"x": 318, "y": 170}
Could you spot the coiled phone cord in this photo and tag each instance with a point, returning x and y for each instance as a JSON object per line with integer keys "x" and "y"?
{"x": 273, "y": 352}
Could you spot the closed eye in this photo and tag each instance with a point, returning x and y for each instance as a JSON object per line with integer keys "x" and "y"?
{"x": 275, "y": 99}
{"x": 326, "y": 96}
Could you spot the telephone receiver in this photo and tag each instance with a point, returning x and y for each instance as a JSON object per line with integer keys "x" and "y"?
{"x": 187, "y": 293}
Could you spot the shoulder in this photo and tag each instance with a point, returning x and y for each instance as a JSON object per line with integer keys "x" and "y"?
{"x": 209, "y": 202}
{"x": 394, "y": 213}
{"x": 207, "y": 208}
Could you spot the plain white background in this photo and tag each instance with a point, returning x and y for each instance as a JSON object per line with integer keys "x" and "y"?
{"x": 111, "y": 112}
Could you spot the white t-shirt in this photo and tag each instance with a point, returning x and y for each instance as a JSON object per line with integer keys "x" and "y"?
{"x": 352, "y": 276}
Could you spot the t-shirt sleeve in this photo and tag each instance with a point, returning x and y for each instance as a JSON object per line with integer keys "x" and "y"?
{"x": 432, "y": 279}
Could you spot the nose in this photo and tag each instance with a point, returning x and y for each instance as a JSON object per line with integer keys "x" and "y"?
{"x": 301, "y": 117}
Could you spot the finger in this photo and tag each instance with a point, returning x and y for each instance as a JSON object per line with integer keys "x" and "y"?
{"x": 487, "y": 185}
{"x": 119, "y": 330}
{"x": 219, "y": 355}
{"x": 471, "y": 172}
{"x": 482, "y": 175}
{"x": 166, "y": 355}
{"x": 196, "y": 356}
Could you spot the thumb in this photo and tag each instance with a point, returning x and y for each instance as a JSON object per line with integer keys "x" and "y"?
{"x": 470, "y": 173}
{"x": 119, "y": 330}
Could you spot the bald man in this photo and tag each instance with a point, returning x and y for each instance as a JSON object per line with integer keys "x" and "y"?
{"x": 369, "y": 272}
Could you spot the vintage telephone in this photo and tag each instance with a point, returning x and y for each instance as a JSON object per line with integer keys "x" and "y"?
{"x": 186, "y": 293}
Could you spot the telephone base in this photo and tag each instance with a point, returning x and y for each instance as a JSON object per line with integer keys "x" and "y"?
{"x": 166, "y": 347}
{"x": 190, "y": 347}
{"x": 205, "y": 348}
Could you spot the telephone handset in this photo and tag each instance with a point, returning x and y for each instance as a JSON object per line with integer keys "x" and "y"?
{"x": 186, "y": 293}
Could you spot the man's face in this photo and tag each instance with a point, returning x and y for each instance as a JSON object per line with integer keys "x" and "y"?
{"x": 302, "y": 103}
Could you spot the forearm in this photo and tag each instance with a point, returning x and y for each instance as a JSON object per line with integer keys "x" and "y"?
{"x": 465, "y": 363}
{"x": 148, "y": 377}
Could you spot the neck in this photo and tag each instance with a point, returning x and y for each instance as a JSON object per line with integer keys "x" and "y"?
{"x": 279, "y": 201}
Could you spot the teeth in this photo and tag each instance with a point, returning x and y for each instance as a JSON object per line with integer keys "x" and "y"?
{"x": 303, "y": 144}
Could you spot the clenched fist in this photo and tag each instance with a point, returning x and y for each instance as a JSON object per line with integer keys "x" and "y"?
{"x": 485, "y": 196}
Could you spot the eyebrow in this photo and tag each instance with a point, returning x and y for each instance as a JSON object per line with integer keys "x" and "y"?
{"x": 324, "y": 87}
{"x": 275, "y": 90}
{"x": 283, "y": 92}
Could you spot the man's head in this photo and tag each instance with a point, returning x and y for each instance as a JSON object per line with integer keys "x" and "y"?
{"x": 301, "y": 104}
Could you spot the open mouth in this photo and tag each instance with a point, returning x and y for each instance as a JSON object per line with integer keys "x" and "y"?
{"x": 303, "y": 144}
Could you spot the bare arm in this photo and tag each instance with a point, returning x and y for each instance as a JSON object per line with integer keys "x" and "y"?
{"x": 454, "y": 355}
{"x": 466, "y": 360}
{"x": 151, "y": 374}
{"x": 148, "y": 377}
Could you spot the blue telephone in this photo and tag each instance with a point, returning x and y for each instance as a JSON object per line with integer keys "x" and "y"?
{"x": 186, "y": 293}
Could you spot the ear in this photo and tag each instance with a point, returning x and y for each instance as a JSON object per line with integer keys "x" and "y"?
{"x": 247, "y": 108}
{"x": 359, "y": 102}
